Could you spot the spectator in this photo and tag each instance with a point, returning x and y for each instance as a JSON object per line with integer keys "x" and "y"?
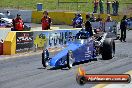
{"x": 18, "y": 24}
{"x": 108, "y": 6}
{"x": 79, "y": 21}
{"x": 46, "y": 21}
{"x": 101, "y": 6}
{"x": 96, "y": 2}
{"x": 8, "y": 14}
{"x": 99, "y": 18}
{"x": 88, "y": 27}
{"x": 116, "y": 6}
{"x": 109, "y": 19}
{"x": 74, "y": 20}
{"x": 92, "y": 19}
{"x": 123, "y": 27}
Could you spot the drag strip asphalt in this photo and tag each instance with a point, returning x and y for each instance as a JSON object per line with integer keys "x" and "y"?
{"x": 27, "y": 72}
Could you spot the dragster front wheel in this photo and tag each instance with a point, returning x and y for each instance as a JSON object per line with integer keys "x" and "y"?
{"x": 45, "y": 58}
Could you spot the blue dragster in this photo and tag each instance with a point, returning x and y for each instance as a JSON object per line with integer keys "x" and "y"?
{"x": 83, "y": 48}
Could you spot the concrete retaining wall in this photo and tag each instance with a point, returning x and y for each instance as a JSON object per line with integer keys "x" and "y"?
{"x": 66, "y": 17}
{"x": 24, "y": 40}
{"x": 9, "y": 46}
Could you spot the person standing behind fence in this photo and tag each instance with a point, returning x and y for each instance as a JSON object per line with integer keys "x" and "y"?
{"x": 46, "y": 21}
{"x": 74, "y": 21}
{"x": 123, "y": 27}
{"x": 79, "y": 21}
{"x": 108, "y": 6}
{"x": 101, "y": 6}
{"x": 116, "y": 6}
{"x": 8, "y": 14}
{"x": 96, "y": 2}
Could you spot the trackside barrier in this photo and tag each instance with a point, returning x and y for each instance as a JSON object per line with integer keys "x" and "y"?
{"x": 57, "y": 17}
{"x": 24, "y": 41}
{"x": 21, "y": 41}
{"x": 53, "y": 38}
{"x": 66, "y": 17}
{"x": 9, "y": 46}
{"x": 40, "y": 39}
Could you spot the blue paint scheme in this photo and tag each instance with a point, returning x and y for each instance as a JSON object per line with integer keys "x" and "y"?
{"x": 63, "y": 53}
{"x": 85, "y": 52}
{"x": 79, "y": 53}
{"x": 82, "y": 47}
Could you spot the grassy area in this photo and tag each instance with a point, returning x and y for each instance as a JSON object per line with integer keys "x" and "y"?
{"x": 53, "y": 4}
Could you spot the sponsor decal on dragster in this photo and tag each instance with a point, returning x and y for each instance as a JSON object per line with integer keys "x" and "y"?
{"x": 88, "y": 52}
{"x": 24, "y": 41}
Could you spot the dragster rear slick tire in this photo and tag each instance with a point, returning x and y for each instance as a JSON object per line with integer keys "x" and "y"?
{"x": 108, "y": 49}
